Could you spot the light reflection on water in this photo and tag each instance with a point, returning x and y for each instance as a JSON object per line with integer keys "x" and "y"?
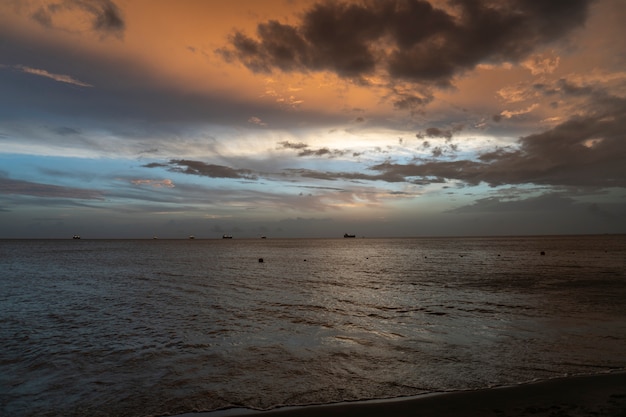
{"x": 155, "y": 327}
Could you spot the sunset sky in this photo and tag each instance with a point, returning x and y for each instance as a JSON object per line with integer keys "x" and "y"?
{"x": 294, "y": 118}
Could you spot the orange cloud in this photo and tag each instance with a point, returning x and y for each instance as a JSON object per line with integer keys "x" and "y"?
{"x": 154, "y": 183}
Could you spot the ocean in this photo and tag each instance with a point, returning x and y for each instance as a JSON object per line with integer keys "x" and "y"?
{"x": 159, "y": 327}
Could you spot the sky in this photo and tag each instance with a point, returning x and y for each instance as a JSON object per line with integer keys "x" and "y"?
{"x": 297, "y": 118}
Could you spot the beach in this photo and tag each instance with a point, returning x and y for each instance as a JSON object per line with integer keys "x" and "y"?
{"x": 577, "y": 396}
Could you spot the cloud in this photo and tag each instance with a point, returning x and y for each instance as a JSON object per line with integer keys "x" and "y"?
{"x": 283, "y": 95}
{"x": 305, "y": 151}
{"x": 512, "y": 113}
{"x": 411, "y": 102}
{"x": 65, "y": 131}
{"x": 103, "y": 15}
{"x": 468, "y": 171}
{"x": 350, "y": 176}
{"x": 563, "y": 203}
{"x": 583, "y": 151}
{"x": 519, "y": 92}
{"x": 435, "y": 132}
{"x": 203, "y": 169}
{"x": 405, "y": 39}
{"x": 154, "y": 183}
{"x": 586, "y": 150}
{"x": 11, "y": 186}
{"x": 288, "y": 145}
{"x": 57, "y": 77}
{"x": 256, "y": 121}
{"x": 600, "y": 212}
{"x": 545, "y": 63}
{"x": 317, "y": 187}
{"x": 321, "y": 152}
{"x": 544, "y": 202}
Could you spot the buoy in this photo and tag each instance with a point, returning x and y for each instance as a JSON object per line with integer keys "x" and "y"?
{"x": 260, "y": 259}
{"x": 542, "y": 253}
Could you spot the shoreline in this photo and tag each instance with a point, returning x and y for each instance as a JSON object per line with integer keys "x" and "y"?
{"x": 584, "y": 395}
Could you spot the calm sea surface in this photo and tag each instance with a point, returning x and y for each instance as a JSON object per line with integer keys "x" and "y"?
{"x": 153, "y": 327}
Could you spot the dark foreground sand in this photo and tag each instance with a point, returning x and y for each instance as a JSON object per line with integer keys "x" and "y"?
{"x": 598, "y": 395}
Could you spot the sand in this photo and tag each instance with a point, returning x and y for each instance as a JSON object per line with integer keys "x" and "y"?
{"x": 598, "y": 395}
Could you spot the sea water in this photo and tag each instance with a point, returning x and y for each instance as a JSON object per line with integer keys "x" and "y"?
{"x": 156, "y": 327}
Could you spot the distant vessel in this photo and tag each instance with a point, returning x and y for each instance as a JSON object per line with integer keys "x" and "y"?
{"x": 76, "y": 237}
{"x": 192, "y": 237}
{"x": 263, "y": 237}
{"x": 348, "y": 235}
{"x": 227, "y": 237}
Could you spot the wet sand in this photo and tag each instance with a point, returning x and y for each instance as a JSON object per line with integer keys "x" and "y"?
{"x": 598, "y": 395}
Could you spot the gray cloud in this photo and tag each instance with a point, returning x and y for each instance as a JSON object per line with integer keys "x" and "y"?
{"x": 408, "y": 39}
{"x": 554, "y": 202}
{"x": 20, "y": 187}
{"x": 106, "y": 17}
{"x": 304, "y": 150}
{"x": 587, "y": 150}
{"x": 467, "y": 171}
{"x": 351, "y": 176}
{"x": 321, "y": 152}
{"x": 203, "y": 169}
{"x": 65, "y": 131}
{"x": 544, "y": 202}
{"x": 315, "y": 187}
{"x": 288, "y": 145}
{"x": 435, "y": 132}
{"x": 410, "y": 102}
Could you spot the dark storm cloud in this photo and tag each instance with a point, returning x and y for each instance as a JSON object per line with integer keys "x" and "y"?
{"x": 203, "y": 169}
{"x": 409, "y": 39}
{"x": 106, "y": 17}
{"x": 19, "y": 187}
{"x": 583, "y": 151}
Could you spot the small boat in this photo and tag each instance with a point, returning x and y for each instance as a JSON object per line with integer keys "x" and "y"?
{"x": 76, "y": 237}
{"x": 263, "y": 237}
{"x": 227, "y": 237}
{"x": 348, "y": 235}
{"x": 192, "y": 237}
